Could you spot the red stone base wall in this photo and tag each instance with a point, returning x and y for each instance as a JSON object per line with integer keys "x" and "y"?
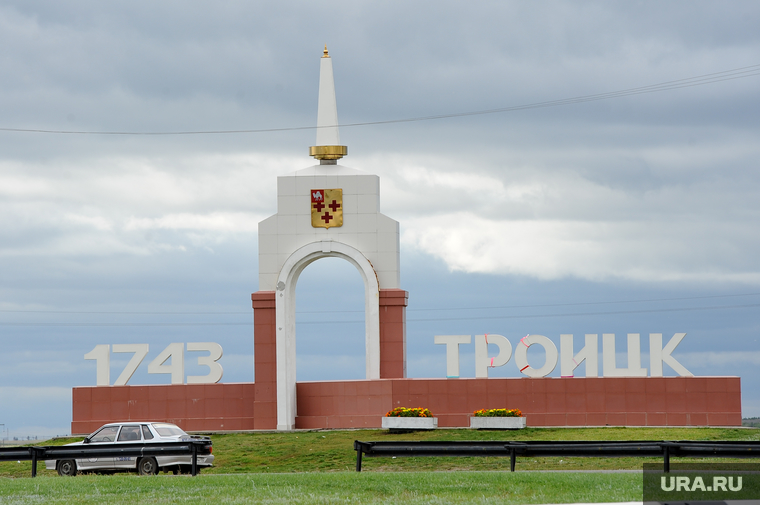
{"x": 650, "y": 401}
{"x": 192, "y": 407}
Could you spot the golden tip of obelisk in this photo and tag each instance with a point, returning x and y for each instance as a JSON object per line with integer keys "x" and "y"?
{"x": 325, "y": 55}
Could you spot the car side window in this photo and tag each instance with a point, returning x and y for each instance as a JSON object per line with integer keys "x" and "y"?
{"x": 147, "y": 435}
{"x": 129, "y": 434}
{"x": 106, "y": 434}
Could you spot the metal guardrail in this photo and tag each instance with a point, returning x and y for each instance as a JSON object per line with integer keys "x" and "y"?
{"x": 600, "y": 449}
{"x": 181, "y": 448}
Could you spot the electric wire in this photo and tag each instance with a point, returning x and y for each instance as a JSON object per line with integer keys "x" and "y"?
{"x": 448, "y": 309}
{"x": 469, "y": 318}
{"x": 737, "y": 73}
{"x": 699, "y": 80}
{"x": 501, "y": 307}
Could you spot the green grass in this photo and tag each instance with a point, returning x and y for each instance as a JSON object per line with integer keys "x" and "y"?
{"x": 332, "y": 451}
{"x": 318, "y": 467}
{"x": 336, "y": 487}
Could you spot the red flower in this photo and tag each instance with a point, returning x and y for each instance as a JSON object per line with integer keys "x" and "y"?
{"x": 498, "y": 413}
{"x": 409, "y": 412}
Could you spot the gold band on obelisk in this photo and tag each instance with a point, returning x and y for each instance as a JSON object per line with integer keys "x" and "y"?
{"x": 328, "y": 152}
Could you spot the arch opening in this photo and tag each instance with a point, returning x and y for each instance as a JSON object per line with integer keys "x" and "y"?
{"x": 285, "y": 298}
{"x": 330, "y": 309}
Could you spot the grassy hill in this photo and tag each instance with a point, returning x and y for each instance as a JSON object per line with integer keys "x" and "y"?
{"x": 332, "y": 451}
{"x": 318, "y": 467}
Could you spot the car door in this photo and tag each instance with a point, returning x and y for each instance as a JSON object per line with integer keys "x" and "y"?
{"x": 129, "y": 434}
{"x": 105, "y": 435}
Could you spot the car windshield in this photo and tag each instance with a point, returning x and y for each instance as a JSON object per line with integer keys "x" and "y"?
{"x": 168, "y": 430}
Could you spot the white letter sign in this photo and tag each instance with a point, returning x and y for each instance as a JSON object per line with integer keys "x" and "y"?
{"x": 521, "y": 356}
{"x": 452, "y": 351}
{"x": 569, "y": 363}
{"x": 658, "y": 355}
{"x": 211, "y": 361}
{"x": 102, "y": 355}
{"x": 177, "y": 367}
{"x": 482, "y": 361}
{"x": 570, "y": 360}
{"x": 140, "y": 350}
{"x": 634, "y": 357}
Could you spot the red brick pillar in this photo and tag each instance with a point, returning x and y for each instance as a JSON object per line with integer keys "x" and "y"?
{"x": 265, "y": 360}
{"x": 393, "y": 333}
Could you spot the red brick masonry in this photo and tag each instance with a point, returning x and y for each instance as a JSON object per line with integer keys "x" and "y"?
{"x": 649, "y": 401}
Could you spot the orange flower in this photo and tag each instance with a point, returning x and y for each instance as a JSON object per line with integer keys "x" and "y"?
{"x": 498, "y": 413}
{"x": 409, "y": 412}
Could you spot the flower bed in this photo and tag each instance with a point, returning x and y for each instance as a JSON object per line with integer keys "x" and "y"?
{"x": 409, "y": 419}
{"x": 498, "y": 413}
{"x": 409, "y": 412}
{"x": 498, "y": 419}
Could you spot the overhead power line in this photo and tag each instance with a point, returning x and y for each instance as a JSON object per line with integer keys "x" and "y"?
{"x": 699, "y": 80}
{"x": 448, "y": 309}
{"x": 469, "y": 318}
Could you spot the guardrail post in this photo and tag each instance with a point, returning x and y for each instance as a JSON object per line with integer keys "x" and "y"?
{"x": 194, "y": 470}
{"x": 512, "y": 459}
{"x": 358, "y": 449}
{"x": 666, "y": 458}
{"x": 34, "y": 461}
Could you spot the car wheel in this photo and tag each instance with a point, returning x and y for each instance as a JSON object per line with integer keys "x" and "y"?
{"x": 147, "y": 466}
{"x": 67, "y": 468}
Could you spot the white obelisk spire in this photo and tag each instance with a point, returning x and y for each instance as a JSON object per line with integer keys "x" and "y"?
{"x": 327, "y": 112}
{"x": 328, "y": 148}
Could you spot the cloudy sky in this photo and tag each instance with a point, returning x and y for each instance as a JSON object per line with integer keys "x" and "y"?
{"x": 635, "y": 213}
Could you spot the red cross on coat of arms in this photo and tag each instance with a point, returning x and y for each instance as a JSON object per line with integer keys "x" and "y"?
{"x": 326, "y": 208}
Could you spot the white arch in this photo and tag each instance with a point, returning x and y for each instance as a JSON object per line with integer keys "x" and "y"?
{"x": 286, "y": 319}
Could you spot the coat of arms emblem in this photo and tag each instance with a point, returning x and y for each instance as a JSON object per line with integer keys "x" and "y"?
{"x": 326, "y": 208}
